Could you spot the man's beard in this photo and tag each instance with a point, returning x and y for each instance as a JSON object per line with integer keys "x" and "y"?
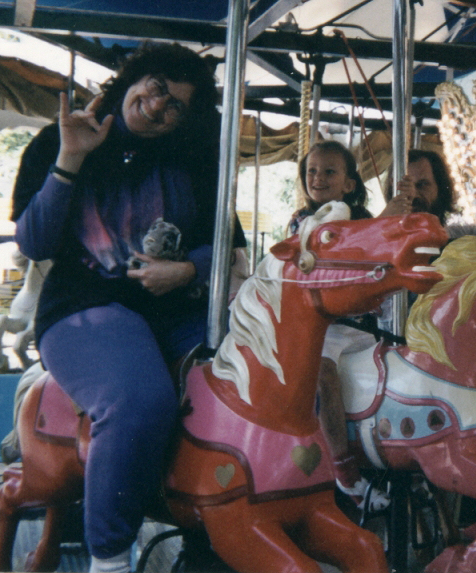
{"x": 419, "y": 205}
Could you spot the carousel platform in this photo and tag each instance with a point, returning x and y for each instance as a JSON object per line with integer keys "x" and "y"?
{"x": 75, "y": 557}
{"x": 74, "y": 554}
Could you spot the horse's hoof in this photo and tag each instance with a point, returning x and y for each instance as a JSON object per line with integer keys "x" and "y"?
{"x": 4, "y": 364}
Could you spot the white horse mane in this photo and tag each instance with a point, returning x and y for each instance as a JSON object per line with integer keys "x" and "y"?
{"x": 250, "y": 322}
{"x": 251, "y": 325}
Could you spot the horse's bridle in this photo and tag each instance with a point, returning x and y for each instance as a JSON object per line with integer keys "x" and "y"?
{"x": 377, "y": 272}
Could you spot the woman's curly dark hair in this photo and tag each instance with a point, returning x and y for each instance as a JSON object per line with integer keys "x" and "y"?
{"x": 195, "y": 140}
{"x": 357, "y": 198}
{"x": 175, "y": 62}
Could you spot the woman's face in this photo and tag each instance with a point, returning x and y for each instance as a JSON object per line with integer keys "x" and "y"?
{"x": 326, "y": 177}
{"x": 155, "y": 105}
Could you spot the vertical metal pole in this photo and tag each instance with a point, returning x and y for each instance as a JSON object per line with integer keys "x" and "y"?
{"x": 409, "y": 74}
{"x": 400, "y": 153}
{"x": 254, "y": 220}
{"x": 71, "y": 83}
{"x": 315, "y": 117}
{"x": 350, "y": 134}
{"x": 236, "y": 40}
{"x": 417, "y": 133}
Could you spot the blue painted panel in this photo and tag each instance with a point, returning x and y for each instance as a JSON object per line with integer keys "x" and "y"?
{"x": 211, "y": 10}
{"x": 8, "y": 385}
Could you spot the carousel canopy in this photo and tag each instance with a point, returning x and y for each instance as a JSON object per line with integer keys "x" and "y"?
{"x": 289, "y": 41}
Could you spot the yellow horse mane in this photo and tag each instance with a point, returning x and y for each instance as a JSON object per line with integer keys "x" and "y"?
{"x": 457, "y": 264}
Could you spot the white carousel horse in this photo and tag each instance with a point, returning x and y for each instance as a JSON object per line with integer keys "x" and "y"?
{"x": 20, "y": 319}
{"x": 414, "y": 405}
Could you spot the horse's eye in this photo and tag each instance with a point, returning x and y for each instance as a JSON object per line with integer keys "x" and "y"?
{"x": 326, "y": 237}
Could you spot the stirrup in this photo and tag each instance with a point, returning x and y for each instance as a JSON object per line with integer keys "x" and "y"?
{"x": 378, "y": 499}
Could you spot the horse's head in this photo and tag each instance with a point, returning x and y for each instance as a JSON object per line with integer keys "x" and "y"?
{"x": 441, "y": 327}
{"x": 355, "y": 264}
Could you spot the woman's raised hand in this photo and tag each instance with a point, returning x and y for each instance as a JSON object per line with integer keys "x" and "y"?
{"x": 80, "y": 133}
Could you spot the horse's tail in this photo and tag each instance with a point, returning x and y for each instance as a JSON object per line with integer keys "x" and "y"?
{"x": 10, "y": 446}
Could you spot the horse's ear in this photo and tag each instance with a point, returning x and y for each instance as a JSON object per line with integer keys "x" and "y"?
{"x": 287, "y": 250}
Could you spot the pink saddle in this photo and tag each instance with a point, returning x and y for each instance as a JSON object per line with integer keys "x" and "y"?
{"x": 58, "y": 420}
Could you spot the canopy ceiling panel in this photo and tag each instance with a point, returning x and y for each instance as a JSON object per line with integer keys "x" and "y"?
{"x": 282, "y": 34}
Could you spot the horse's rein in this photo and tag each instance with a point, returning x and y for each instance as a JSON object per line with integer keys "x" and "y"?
{"x": 377, "y": 272}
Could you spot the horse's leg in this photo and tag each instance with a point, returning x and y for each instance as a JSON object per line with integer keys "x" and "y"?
{"x": 447, "y": 465}
{"x": 50, "y": 473}
{"x": 252, "y": 543}
{"x": 20, "y": 347}
{"x": 47, "y": 554}
{"x": 9, "y": 324}
{"x": 330, "y": 536}
{"x": 9, "y": 517}
{"x": 4, "y": 320}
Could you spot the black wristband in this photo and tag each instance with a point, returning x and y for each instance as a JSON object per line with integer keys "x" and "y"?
{"x": 63, "y": 173}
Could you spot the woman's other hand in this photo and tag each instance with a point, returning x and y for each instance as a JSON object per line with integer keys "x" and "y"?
{"x": 160, "y": 276}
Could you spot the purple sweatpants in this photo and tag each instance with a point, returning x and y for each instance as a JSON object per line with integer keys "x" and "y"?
{"x": 108, "y": 361}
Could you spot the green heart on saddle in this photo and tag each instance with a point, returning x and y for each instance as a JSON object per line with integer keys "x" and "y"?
{"x": 224, "y": 474}
{"x": 306, "y": 459}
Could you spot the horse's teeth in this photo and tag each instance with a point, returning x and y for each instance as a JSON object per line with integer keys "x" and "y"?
{"x": 422, "y": 269}
{"x": 427, "y": 250}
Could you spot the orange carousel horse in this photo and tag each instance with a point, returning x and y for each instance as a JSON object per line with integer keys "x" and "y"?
{"x": 414, "y": 406}
{"x": 251, "y": 464}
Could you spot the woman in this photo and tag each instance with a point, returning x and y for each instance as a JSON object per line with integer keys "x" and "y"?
{"x": 146, "y": 148}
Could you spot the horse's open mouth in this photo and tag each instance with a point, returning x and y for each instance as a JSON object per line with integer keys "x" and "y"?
{"x": 426, "y": 253}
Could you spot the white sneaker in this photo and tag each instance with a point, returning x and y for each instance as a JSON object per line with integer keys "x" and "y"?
{"x": 118, "y": 564}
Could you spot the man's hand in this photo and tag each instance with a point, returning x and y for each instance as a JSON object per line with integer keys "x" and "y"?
{"x": 402, "y": 203}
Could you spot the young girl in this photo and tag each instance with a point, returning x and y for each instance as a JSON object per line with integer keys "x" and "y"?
{"x": 329, "y": 173}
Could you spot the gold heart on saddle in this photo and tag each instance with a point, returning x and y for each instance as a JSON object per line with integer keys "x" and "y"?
{"x": 306, "y": 459}
{"x": 224, "y": 474}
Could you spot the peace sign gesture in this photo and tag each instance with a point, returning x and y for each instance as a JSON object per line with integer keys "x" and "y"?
{"x": 80, "y": 133}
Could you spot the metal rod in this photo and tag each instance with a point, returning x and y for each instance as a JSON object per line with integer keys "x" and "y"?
{"x": 399, "y": 132}
{"x": 315, "y": 117}
{"x": 350, "y": 134}
{"x": 236, "y": 40}
{"x": 417, "y": 132}
{"x": 254, "y": 220}
{"x": 71, "y": 81}
{"x": 409, "y": 74}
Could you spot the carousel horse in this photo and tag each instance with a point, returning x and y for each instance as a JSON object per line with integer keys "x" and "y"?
{"x": 21, "y": 315}
{"x": 414, "y": 406}
{"x": 250, "y": 462}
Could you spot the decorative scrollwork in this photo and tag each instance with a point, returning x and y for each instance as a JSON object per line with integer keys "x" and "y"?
{"x": 458, "y": 134}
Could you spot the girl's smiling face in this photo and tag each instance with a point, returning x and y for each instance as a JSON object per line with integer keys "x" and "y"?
{"x": 326, "y": 177}
{"x": 155, "y": 106}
